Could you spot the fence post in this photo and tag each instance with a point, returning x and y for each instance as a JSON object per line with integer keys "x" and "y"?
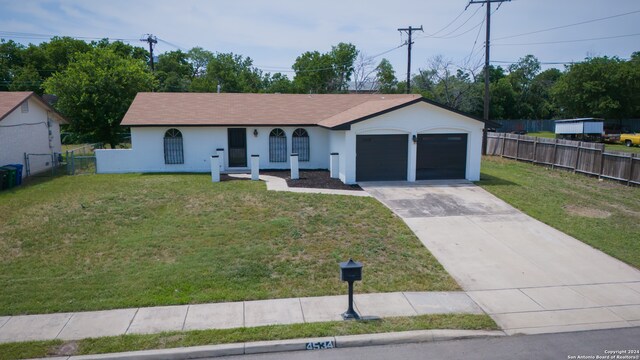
{"x": 555, "y": 150}
{"x": 630, "y": 169}
{"x": 503, "y": 136}
{"x": 601, "y": 163}
{"x": 517, "y": 147}
{"x": 575, "y": 168}
{"x": 27, "y": 169}
{"x": 73, "y": 163}
{"x": 53, "y": 164}
{"x": 535, "y": 149}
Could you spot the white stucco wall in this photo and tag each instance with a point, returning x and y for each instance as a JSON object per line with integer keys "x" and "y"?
{"x": 420, "y": 118}
{"x": 199, "y": 143}
{"x": 34, "y": 132}
{"x": 337, "y": 145}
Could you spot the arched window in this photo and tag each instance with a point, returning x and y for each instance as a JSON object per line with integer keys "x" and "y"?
{"x": 173, "y": 153}
{"x": 277, "y": 146}
{"x": 300, "y": 144}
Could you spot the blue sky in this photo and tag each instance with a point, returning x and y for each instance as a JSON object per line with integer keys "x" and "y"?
{"x": 273, "y": 33}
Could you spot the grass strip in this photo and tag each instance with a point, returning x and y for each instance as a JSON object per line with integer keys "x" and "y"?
{"x": 169, "y": 340}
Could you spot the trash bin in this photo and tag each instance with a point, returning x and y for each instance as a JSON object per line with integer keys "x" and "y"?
{"x": 12, "y": 176}
{"x": 4, "y": 179}
{"x": 19, "y": 168}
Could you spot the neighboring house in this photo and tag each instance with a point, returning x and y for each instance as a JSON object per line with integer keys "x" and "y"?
{"x": 376, "y": 137}
{"x": 28, "y": 125}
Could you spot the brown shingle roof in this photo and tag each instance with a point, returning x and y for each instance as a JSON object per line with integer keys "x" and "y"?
{"x": 10, "y": 100}
{"x": 328, "y": 110}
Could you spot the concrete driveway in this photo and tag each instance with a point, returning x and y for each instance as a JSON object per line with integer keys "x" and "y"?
{"x": 528, "y": 276}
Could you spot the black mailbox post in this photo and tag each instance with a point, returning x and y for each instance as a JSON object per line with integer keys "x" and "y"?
{"x": 350, "y": 271}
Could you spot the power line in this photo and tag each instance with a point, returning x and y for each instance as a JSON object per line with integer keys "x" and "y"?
{"x": 23, "y": 35}
{"x": 449, "y": 24}
{"x": 446, "y": 36}
{"x": 171, "y": 44}
{"x": 569, "y": 25}
{"x": 570, "y": 41}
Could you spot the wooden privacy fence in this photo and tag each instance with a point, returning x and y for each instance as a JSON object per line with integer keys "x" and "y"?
{"x": 582, "y": 157}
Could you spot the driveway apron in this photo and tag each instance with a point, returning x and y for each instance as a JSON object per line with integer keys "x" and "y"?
{"x": 530, "y": 277}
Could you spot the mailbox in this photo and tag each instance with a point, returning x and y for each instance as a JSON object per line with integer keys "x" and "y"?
{"x": 351, "y": 271}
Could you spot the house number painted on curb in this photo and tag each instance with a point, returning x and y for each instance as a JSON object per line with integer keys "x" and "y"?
{"x": 322, "y": 345}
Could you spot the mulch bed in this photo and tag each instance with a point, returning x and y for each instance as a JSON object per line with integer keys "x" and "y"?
{"x": 317, "y": 179}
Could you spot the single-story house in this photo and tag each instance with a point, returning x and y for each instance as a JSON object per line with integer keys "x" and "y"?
{"x": 376, "y": 137}
{"x": 28, "y": 125}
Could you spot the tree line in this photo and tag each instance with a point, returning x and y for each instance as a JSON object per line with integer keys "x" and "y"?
{"x": 96, "y": 81}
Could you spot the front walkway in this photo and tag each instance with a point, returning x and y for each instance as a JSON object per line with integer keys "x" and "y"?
{"x": 530, "y": 277}
{"x": 275, "y": 183}
{"x": 74, "y": 326}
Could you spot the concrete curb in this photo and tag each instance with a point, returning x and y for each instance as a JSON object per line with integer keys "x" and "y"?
{"x": 209, "y": 351}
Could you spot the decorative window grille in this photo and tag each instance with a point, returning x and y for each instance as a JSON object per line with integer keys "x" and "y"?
{"x": 173, "y": 153}
{"x": 300, "y": 144}
{"x": 277, "y": 146}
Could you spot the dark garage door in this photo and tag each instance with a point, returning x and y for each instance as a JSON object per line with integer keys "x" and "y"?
{"x": 441, "y": 156}
{"x": 381, "y": 157}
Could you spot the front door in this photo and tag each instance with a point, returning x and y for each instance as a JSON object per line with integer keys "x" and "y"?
{"x": 237, "y": 147}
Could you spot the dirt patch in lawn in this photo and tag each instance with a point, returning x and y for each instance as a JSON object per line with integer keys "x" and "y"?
{"x": 67, "y": 349}
{"x": 586, "y": 212}
{"x": 317, "y": 179}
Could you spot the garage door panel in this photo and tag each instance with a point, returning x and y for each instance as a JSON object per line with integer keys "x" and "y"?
{"x": 441, "y": 156}
{"x": 381, "y": 157}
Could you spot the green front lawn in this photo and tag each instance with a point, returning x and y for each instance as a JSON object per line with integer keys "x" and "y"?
{"x": 224, "y": 336}
{"x": 91, "y": 242}
{"x": 603, "y": 214}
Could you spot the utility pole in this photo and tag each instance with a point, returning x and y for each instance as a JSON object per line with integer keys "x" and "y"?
{"x": 409, "y": 30}
{"x": 152, "y": 40}
{"x": 486, "y": 67}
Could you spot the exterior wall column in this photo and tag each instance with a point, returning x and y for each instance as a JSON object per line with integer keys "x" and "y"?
{"x": 215, "y": 168}
{"x": 220, "y": 153}
{"x": 295, "y": 172}
{"x": 334, "y": 165}
{"x": 255, "y": 167}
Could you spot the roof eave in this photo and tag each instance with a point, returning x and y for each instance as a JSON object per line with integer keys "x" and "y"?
{"x": 347, "y": 125}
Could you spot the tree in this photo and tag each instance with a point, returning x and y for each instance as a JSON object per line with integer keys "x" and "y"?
{"x": 543, "y": 105}
{"x": 199, "y": 59}
{"x": 95, "y": 91}
{"x": 325, "y": 73}
{"x": 26, "y": 79}
{"x": 386, "y": 77}
{"x": 278, "y": 83}
{"x": 448, "y": 84}
{"x": 600, "y": 87}
{"x": 343, "y": 56}
{"x": 174, "y": 72}
{"x": 124, "y": 50}
{"x": 60, "y": 51}
{"x": 364, "y": 74}
{"x": 234, "y": 73}
{"x": 11, "y": 58}
{"x": 314, "y": 73}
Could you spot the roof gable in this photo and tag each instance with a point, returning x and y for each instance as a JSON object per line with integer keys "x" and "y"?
{"x": 11, "y": 100}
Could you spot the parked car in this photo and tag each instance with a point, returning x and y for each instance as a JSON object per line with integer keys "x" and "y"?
{"x": 630, "y": 139}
